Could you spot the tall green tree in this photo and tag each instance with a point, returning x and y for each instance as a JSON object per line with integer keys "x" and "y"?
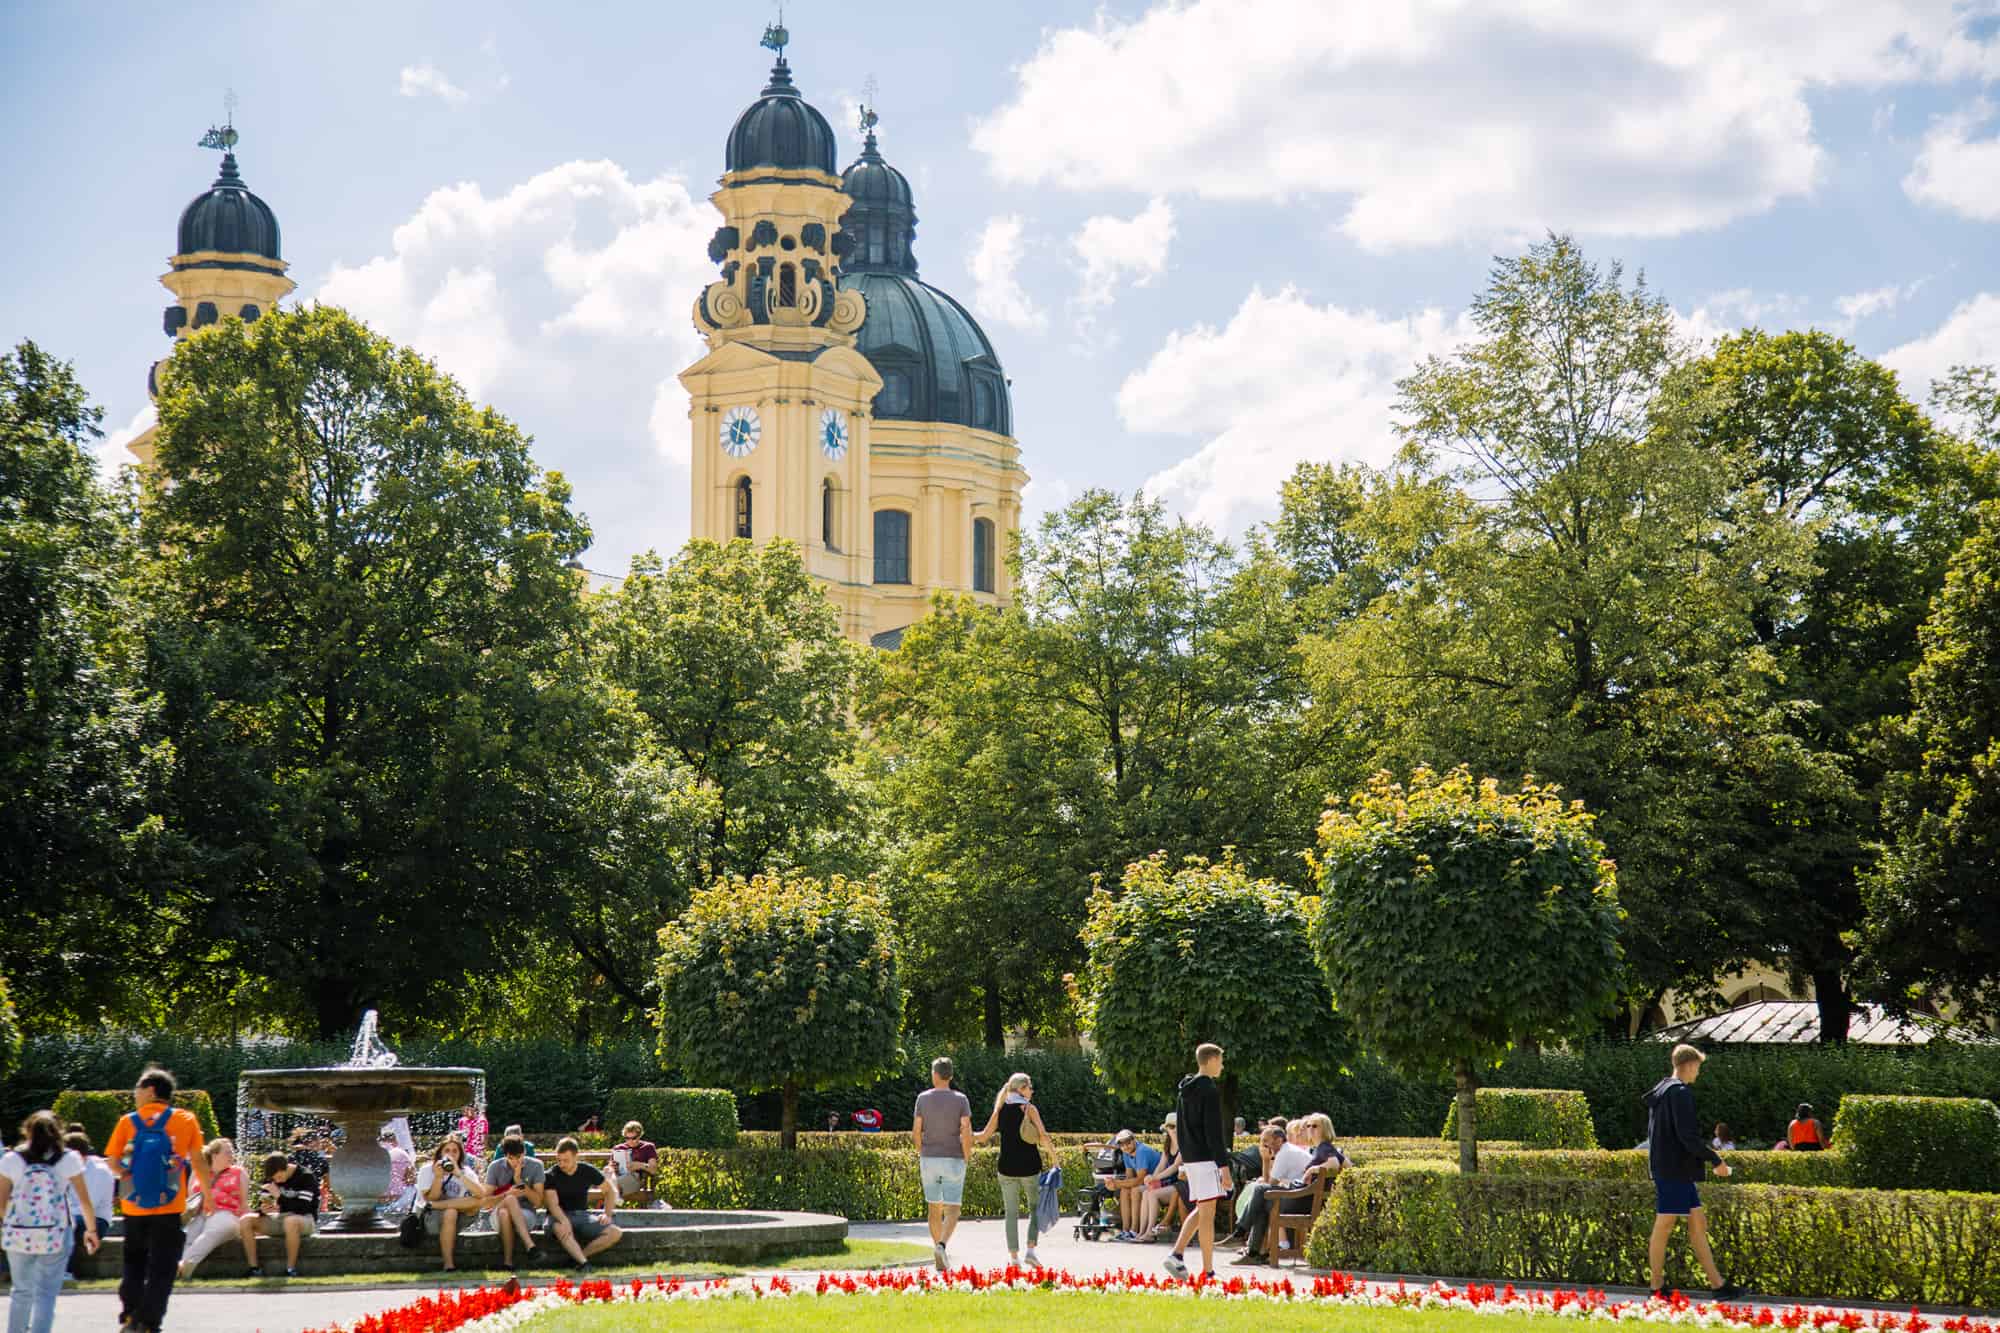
{"x": 75, "y": 766}
{"x": 1581, "y": 610}
{"x": 1457, "y": 920}
{"x": 1141, "y": 694}
{"x": 1934, "y": 901}
{"x": 1200, "y": 951}
{"x": 1838, "y": 454}
{"x": 361, "y": 612}
{"x": 781, "y": 981}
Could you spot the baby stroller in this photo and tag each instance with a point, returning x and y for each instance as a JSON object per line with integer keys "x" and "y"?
{"x": 1097, "y": 1216}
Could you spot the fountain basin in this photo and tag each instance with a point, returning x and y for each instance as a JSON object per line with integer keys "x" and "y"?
{"x": 359, "y": 1099}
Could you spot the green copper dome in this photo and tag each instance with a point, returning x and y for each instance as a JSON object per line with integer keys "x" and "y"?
{"x": 780, "y": 130}
{"x": 229, "y": 218}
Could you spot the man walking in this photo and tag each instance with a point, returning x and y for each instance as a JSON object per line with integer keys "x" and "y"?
{"x": 942, "y": 1129}
{"x": 1204, "y": 1157}
{"x": 1676, "y": 1152}
{"x": 151, "y": 1151}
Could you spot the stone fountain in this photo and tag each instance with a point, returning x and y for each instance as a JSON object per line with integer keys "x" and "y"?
{"x": 360, "y": 1096}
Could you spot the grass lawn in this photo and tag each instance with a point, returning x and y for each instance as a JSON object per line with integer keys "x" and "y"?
{"x": 854, "y": 1254}
{"x": 1015, "y": 1311}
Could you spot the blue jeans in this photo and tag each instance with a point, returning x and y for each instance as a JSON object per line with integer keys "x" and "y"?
{"x": 38, "y": 1278}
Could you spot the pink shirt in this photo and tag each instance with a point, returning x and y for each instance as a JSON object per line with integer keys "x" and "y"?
{"x": 473, "y": 1130}
{"x": 227, "y": 1189}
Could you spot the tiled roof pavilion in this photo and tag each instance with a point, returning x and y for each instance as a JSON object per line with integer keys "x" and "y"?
{"x": 1772, "y": 1022}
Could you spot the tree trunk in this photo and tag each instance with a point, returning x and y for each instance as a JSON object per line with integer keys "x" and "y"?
{"x": 1230, "y": 1092}
{"x": 788, "y": 1127}
{"x": 1468, "y": 1120}
{"x": 995, "y": 1027}
{"x": 1830, "y": 993}
{"x": 334, "y": 1011}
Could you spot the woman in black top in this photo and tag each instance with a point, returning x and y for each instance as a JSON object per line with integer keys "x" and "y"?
{"x": 1020, "y": 1162}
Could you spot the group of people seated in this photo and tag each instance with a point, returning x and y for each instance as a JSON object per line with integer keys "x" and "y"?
{"x": 1289, "y": 1154}
{"x": 1804, "y": 1134}
{"x": 523, "y": 1195}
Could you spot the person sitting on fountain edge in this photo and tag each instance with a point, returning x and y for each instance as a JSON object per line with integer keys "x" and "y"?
{"x": 292, "y": 1184}
{"x": 568, "y": 1198}
{"x": 517, "y": 1183}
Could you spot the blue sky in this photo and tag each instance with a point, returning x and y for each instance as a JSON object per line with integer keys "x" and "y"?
{"x": 1205, "y": 237}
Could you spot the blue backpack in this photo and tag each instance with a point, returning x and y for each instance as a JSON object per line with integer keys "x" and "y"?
{"x": 156, "y": 1172}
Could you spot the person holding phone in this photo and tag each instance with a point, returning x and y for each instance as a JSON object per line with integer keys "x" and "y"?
{"x": 452, "y": 1195}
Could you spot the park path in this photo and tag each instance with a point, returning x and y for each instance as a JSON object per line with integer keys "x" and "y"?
{"x": 194, "y": 1310}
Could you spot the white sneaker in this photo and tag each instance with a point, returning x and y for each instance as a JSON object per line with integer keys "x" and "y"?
{"x": 942, "y": 1263}
{"x": 1175, "y": 1268}
{"x": 1033, "y": 1260}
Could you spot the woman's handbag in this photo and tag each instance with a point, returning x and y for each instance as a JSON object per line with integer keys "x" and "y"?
{"x": 411, "y": 1233}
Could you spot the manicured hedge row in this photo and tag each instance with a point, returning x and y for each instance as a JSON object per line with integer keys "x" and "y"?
{"x": 1817, "y": 1170}
{"x": 676, "y": 1117}
{"x": 1538, "y": 1117}
{"x": 1822, "y": 1244}
{"x": 874, "y": 1185}
{"x": 1950, "y": 1143}
{"x": 98, "y": 1111}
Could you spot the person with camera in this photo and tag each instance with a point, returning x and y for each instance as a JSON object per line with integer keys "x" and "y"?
{"x": 452, "y": 1195}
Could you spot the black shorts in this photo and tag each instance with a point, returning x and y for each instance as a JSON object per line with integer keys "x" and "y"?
{"x": 585, "y": 1229}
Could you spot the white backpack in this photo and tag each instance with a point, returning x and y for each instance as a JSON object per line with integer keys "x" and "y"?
{"x": 37, "y": 1214}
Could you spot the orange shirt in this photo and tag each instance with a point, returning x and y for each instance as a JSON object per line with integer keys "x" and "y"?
{"x": 183, "y": 1131}
{"x": 1803, "y": 1131}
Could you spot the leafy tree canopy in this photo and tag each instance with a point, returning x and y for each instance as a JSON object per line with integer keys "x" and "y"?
{"x": 781, "y": 981}
{"x": 1458, "y": 920}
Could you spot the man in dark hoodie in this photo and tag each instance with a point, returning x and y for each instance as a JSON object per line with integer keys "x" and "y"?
{"x": 1677, "y": 1152}
{"x": 1205, "y": 1145}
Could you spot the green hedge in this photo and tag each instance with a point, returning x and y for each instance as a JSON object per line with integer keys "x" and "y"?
{"x": 1950, "y": 1143}
{"x": 1815, "y": 1169}
{"x": 1537, "y": 1117}
{"x": 676, "y": 1117}
{"x": 98, "y": 1112}
{"x": 860, "y": 1184}
{"x": 1820, "y": 1244}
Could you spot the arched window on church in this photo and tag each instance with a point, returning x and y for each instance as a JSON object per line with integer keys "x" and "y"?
{"x": 982, "y": 403}
{"x": 982, "y": 555}
{"x": 892, "y": 546}
{"x": 894, "y": 400}
{"x": 826, "y": 533}
{"x": 743, "y": 507}
{"x": 788, "y": 285}
{"x": 877, "y": 242}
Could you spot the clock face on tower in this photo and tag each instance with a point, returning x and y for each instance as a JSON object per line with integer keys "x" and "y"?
{"x": 833, "y": 434}
{"x": 740, "y": 429}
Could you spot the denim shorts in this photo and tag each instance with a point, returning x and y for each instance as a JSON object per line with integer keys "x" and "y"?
{"x": 1675, "y": 1198}
{"x": 944, "y": 1179}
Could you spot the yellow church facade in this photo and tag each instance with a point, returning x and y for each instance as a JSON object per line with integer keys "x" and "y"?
{"x": 844, "y": 404}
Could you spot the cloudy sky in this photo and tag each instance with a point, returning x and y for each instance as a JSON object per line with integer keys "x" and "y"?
{"x": 1205, "y": 237}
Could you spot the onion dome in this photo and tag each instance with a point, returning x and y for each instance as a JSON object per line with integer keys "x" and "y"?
{"x": 934, "y": 360}
{"x": 229, "y": 218}
{"x": 780, "y": 130}
{"x": 883, "y": 221}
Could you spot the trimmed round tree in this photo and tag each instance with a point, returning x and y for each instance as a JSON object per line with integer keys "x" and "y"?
{"x": 1457, "y": 920}
{"x": 1197, "y": 952}
{"x": 781, "y": 981}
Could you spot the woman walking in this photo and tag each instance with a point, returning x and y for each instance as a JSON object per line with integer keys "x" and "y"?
{"x": 36, "y": 1182}
{"x": 1019, "y": 1124}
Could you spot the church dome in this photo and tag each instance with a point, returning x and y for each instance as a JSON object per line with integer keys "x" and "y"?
{"x": 229, "y": 218}
{"x": 935, "y": 361}
{"x": 883, "y": 221}
{"x": 780, "y": 130}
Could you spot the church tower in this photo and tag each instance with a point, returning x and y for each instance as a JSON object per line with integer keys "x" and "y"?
{"x": 845, "y": 404}
{"x": 226, "y": 261}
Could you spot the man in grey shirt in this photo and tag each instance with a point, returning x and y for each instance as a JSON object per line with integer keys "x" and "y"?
{"x": 942, "y": 1129}
{"x": 518, "y": 1181}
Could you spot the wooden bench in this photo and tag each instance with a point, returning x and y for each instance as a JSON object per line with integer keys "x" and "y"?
{"x": 601, "y": 1159}
{"x": 1299, "y": 1226}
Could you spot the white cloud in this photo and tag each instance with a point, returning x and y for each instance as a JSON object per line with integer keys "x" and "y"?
{"x": 996, "y": 290}
{"x": 1114, "y": 249}
{"x": 1283, "y": 382}
{"x": 1955, "y": 170}
{"x": 565, "y": 301}
{"x": 1722, "y": 313}
{"x": 1466, "y": 120}
{"x": 1858, "y": 306}
{"x": 114, "y": 451}
{"x": 427, "y": 80}
{"x": 1970, "y": 335}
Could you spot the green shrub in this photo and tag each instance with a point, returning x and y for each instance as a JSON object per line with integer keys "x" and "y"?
{"x": 860, "y": 1184}
{"x": 1821, "y": 1244}
{"x": 10, "y": 1036}
{"x": 98, "y": 1112}
{"x": 1537, "y": 1117}
{"x": 1816, "y": 1169}
{"x": 1940, "y": 1143}
{"x": 676, "y": 1117}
